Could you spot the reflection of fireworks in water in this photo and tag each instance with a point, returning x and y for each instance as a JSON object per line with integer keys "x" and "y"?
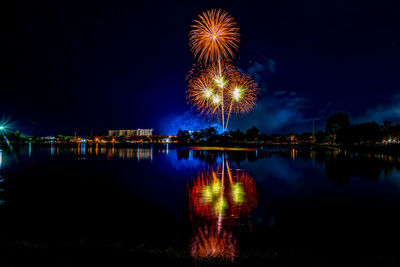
{"x": 209, "y": 243}
{"x": 220, "y": 200}
{"x": 214, "y": 36}
{"x": 239, "y": 196}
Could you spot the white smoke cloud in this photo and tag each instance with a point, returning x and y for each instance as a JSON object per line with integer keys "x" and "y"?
{"x": 278, "y": 111}
{"x": 188, "y": 120}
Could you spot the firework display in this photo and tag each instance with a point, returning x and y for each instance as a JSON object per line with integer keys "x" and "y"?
{"x": 208, "y": 91}
{"x": 218, "y": 88}
{"x": 214, "y": 36}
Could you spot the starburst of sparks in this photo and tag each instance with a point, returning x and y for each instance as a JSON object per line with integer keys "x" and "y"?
{"x": 242, "y": 94}
{"x": 218, "y": 89}
{"x": 207, "y": 89}
{"x": 220, "y": 81}
{"x": 214, "y": 36}
{"x": 202, "y": 92}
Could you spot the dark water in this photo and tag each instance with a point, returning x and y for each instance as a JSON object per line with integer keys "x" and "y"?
{"x": 204, "y": 203}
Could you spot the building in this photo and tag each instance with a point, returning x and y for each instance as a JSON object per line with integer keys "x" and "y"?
{"x": 135, "y": 132}
{"x": 144, "y": 132}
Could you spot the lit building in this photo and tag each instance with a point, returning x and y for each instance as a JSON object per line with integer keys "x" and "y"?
{"x": 135, "y": 132}
{"x": 144, "y": 132}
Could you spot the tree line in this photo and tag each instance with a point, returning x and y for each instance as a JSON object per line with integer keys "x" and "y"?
{"x": 339, "y": 130}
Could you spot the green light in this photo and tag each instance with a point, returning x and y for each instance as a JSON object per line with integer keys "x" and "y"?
{"x": 237, "y": 93}
{"x": 220, "y": 81}
{"x": 207, "y": 93}
{"x": 220, "y": 206}
{"x": 216, "y": 187}
{"x": 1, "y": 127}
{"x": 238, "y": 193}
{"x": 207, "y": 193}
{"x": 216, "y": 99}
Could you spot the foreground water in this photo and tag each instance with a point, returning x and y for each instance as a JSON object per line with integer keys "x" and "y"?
{"x": 204, "y": 203}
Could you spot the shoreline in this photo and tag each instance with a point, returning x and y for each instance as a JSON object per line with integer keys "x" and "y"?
{"x": 389, "y": 148}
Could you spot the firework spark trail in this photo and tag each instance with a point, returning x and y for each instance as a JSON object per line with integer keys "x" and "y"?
{"x": 214, "y": 37}
{"x": 222, "y": 96}
{"x": 243, "y": 93}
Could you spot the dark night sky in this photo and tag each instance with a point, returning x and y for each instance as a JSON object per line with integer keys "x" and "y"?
{"x": 93, "y": 65}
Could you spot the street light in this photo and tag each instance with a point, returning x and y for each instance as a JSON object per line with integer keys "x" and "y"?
{"x": 1, "y": 128}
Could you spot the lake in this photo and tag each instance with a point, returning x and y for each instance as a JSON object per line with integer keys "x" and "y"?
{"x": 278, "y": 205}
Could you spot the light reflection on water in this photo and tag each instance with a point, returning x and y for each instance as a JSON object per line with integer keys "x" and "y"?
{"x": 337, "y": 166}
{"x": 227, "y": 191}
{"x": 82, "y": 151}
{"x": 219, "y": 198}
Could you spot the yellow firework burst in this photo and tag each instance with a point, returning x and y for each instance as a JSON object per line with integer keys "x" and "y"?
{"x": 242, "y": 93}
{"x": 212, "y": 88}
{"x": 206, "y": 90}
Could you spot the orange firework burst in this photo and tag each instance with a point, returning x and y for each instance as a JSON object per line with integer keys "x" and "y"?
{"x": 214, "y": 37}
{"x": 202, "y": 92}
{"x": 212, "y": 88}
{"x": 242, "y": 94}
{"x": 220, "y": 89}
{"x": 207, "y": 88}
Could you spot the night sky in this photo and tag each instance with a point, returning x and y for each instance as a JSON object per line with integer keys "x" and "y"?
{"x": 95, "y": 65}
